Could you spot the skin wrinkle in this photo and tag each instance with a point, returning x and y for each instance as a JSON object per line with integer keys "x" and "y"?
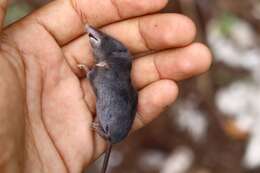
{"x": 146, "y": 43}
{"x": 52, "y": 140}
{"x": 82, "y": 16}
{"x": 21, "y": 50}
{"x": 41, "y": 24}
{"x": 91, "y": 108}
{"x": 57, "y": 149}
{"x": 117, "y": 9}
{"x": 76, "y": 9}
{"x": 155, "y": 71}
{"x": 156, "y": 67}
{"x": 140, "y": 118}
{"x": 26, "y": 111}
{"x": 23, "y": 55}
{"x": 7, "y": 61}
{"x": 29, "y": 133}
{"x": 18, "y": 64}
{"x": 88, "y": 106}
{"x": 28, "y": 117}
{"x": 28, "y": 126}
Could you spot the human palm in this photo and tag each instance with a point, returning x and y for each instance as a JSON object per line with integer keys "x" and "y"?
{"x": 55, "y": 101}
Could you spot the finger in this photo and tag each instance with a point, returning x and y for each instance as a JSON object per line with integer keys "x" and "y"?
{"x": 3, "y": 6}
{"x": 152, "y": 101}
{"x": 65, "y": 19}
{"x": 153, "y": 32}
{"x": 175, "y": 64}
{"x": 158, "y": 94}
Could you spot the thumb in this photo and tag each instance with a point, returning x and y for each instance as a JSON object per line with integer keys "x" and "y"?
{"x": 3, "y": 6}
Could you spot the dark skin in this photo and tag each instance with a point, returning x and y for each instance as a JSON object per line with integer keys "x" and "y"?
{"x": 47, "y": 108}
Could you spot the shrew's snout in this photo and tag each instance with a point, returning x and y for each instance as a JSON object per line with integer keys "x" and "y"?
{"x": 94, "y": 36}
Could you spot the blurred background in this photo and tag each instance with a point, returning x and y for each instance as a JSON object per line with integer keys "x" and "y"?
{"x": 214, "y": 127}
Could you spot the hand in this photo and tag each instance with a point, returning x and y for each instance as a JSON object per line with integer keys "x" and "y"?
{"x": 49, "y": 107}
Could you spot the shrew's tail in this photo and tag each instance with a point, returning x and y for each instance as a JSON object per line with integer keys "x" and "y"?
{"x": 107, "y": 155}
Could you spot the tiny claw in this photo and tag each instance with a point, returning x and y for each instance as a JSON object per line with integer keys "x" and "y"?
{"x": 102, "y": 64}
{"x": 97, "y": 128}
{"x": 95, "y": 125}
{"x": 83, "y": 67}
